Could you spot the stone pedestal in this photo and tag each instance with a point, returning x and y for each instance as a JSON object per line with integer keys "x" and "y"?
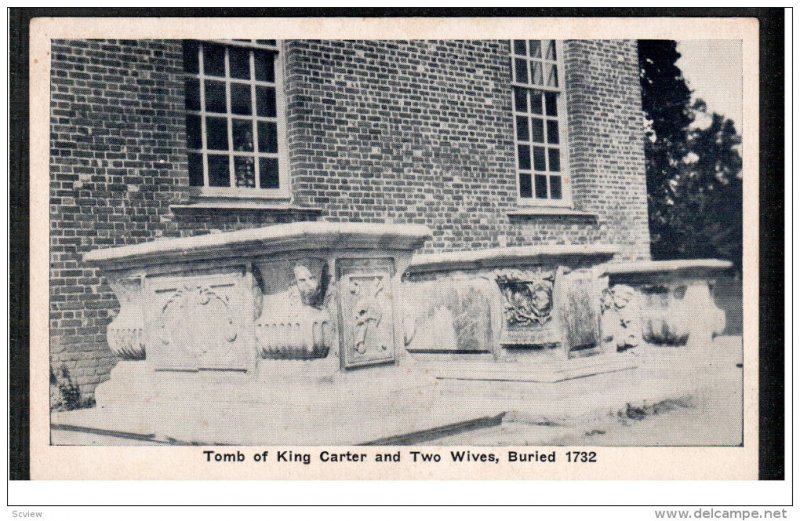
{"x": 294, "y": 314}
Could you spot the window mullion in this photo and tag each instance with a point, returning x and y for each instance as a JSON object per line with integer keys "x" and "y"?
{"x": 228, "y": 118}
{"x": 253, "y": 108}
{"x": 204, "y": 140}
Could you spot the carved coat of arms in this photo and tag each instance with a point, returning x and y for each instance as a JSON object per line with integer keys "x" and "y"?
{"x": 529, "y": 298}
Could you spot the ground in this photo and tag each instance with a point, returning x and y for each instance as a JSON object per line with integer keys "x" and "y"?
{"x": 660, "y": 396}
{"x": 696, "y": 400}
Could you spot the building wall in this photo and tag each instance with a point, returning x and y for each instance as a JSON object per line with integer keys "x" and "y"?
{"x": 422, "y": 132}
{"x": 379, "y": 131}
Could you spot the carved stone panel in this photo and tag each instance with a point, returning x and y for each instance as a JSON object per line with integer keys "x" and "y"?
{"x": 576, "y": 301}
{"x": 366, "y": 311}
{"x": 450, "y": 316}
{"x": 528, "y": 309}
{"x": 199, "y": 322}
{"x": 295, "y": 321}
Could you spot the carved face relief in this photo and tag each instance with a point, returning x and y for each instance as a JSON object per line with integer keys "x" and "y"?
{"x": 307, "y": 284}
{"x": 541, "y": 300}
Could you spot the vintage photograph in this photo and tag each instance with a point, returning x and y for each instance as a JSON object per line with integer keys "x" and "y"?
{"x": 428, "y": 242}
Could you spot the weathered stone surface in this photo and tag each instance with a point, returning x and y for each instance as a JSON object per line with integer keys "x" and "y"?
{"x": 675, "y": 300}
{"x": 621, "y": 319}
{"x": 452, "y": 315}
{"x": 512, "y": 258}
{"x": 576, "y": 298}
{"x": 259, "y": 242}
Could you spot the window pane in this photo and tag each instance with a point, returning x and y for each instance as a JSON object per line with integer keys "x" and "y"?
{"x": 218, "y": 172}
{"x": 550, "y": 46}
{"x": 551, "y": 71}
{"x": 195, "y": 170}
{"x": 265, "y": 101}
{"x": 538, "y": 159}
{"x": 552, "y": 132}
{"x": 520, "y": 99}
{"x": 541, "y": 186}
{"x": 242, "y": 135}
{"x": 550, "y": 103}
{"x": 215, "y": 96}
{"x": 193, "y": 132}
{"x": 522, "y": 129}
{"x": 538, "y": 130}
{"x": 268, "y": 172}
{"x": 536, "y": 102}
{"x": 213, "y": 59}
{"x": 265, "y": 66}
{"x": 190, "y": 50}
{"x": 519, "y": 47}
{"x": 240, "y": 99}
{"x": 217, "y": 133}
{"x": 536, "y": 73}
{"x": 266, "y": 42}
{"x": 521, "y": 68}
{"x": 524, "y": 155}
{"x": 554, "y": 155}
{"x": 240, "y": 62}
{"x": 525, "y": 189}
{"x": 267, "y": 137}
{"x": 536, "y": 48}
{"x": 244, "y": 168}
{"x": 192, "y": 94}
{"x": 555, "y": 187}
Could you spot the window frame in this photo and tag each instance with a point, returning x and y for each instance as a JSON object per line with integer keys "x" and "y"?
{"x": 283, "y": 192}
{"x": 563, "y": 132}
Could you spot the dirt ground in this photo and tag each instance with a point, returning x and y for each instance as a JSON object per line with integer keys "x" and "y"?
{"x": 705, "y": 408}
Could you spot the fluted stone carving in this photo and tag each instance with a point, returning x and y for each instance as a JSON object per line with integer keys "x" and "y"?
{"x": 124, "y": 334}
{"x": 295, "y": 322}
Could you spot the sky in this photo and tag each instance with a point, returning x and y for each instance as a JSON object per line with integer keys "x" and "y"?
{"x": 713, "y": 70}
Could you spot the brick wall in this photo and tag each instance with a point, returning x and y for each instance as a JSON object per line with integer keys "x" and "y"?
{"x": 606, "y": 141}
{"x": 389, "y": 131}
{"x": 422, "y": 132}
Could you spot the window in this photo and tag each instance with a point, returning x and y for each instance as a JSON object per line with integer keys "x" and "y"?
{"x": 234, "y": 118}
{"x": 539, "y": 122}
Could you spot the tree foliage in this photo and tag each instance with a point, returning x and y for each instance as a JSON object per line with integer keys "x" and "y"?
{"x": 693, "y": 165}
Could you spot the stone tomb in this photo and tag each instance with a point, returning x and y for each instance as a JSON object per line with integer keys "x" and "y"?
{"x": 508, "y": 302}
{"x": 667, "y": 303}
{"x": 285, "y": 334}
